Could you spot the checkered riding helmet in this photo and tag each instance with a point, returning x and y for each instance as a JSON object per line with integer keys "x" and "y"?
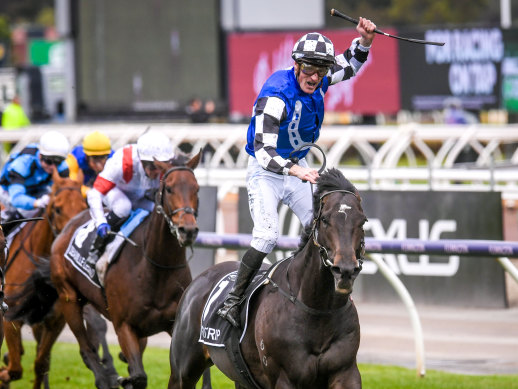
{"x": 314, "y": 48}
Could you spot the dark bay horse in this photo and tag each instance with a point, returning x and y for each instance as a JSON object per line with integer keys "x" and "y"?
{"x": 303, "y": 329}
{"x": 143, "y": 285}
{"x": 30, "y": 248}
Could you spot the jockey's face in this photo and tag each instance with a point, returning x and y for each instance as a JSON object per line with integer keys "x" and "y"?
{"x": 309, "y": 76}
{"x": 150, "y": 169}
{"x": 97, "y": 162}
{"x": 49, "y": 163}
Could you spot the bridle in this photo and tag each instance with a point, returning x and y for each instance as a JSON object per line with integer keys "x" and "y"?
{"x": 168, "y": 215}
{"x": 324, "y": 255}
{"x": 49, "y": 217}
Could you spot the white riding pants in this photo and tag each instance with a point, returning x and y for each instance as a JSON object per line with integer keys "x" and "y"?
{"x": 265, "y": 192}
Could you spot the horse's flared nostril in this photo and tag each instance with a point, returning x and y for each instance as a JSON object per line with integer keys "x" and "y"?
{"x": 188, "y": 234}
{"x": 343, "y": 271}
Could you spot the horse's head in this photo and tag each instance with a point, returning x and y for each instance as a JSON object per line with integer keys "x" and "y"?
{"x": 177, "y": 199}
{"x": 66, "y": 201}
{"x": 338, "y": 228}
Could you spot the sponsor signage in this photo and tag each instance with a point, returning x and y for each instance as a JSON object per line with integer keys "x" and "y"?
{"x": 253, "y": 57}
{"x": 467, "y": 67}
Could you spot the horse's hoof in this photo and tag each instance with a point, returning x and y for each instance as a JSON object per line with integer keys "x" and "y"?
{"x": 113, "y": 380}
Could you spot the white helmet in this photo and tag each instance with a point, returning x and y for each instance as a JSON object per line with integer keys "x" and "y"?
{"x": 54, "y": 144}
{"x": 154, "y": 144}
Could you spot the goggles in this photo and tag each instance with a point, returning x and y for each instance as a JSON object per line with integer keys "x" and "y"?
{"x": 98, "y": 158}
{"x": 309, "y": 69}
{"x": 52, "y": 160}
{"x": 149, "y": 165}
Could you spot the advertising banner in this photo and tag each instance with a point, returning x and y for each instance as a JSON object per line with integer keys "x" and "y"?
{"x": 253, "y": 57}
{"x": 467, "y": 67}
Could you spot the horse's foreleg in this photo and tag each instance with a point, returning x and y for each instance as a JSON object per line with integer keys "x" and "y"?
{"x": 74, "y": 317}
{"x": 52, "y": 327}
{"x": 349, "y": 379}
{"x": 13, "y": 339}
{"x": 97, "y": 329}
{"x": 131, "y": 348}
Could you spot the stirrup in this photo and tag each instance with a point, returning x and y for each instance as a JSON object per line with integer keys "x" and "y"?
{"x": 229, "y": 314}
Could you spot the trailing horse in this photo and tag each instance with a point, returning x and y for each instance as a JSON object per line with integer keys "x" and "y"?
{"x": 143, "y": 283}
{"x": 302, "y": 328}
{"x": 28, "y": 251}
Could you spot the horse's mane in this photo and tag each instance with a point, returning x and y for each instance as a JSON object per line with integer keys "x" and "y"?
{"x": 331, "y": 179}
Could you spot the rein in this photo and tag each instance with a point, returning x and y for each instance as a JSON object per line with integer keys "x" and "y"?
{"x": 46, "y": 216}
{"x": 296, "y": 301}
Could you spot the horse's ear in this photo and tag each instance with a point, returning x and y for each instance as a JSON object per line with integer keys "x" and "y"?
{"x": 194, "y": 161}
{"x": 55, "y": 175}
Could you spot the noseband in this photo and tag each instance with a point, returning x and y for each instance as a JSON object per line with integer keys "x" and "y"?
{"x": 168, "y": 216}
{"x": 324, "y": 255}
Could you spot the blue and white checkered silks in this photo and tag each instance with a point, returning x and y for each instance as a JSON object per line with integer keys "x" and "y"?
{"x": 313, "y": 45}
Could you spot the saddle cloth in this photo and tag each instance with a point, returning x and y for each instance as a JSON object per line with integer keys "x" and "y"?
{"x": 215, "y": 331}
{"x": 79, "y": 247}
{"x": 10, "y": 237}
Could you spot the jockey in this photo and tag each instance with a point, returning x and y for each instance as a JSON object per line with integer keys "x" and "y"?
{"x": 125, "y": 183}
{"x": 89, "y": 157}
{"x": 288, "y": 113}
{"x": 26, "y": 177}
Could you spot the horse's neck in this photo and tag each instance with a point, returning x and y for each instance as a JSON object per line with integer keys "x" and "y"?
{"x": 312, "y": 282}
{"x": 40, "y": 238}
{"x": 160, "y": 244}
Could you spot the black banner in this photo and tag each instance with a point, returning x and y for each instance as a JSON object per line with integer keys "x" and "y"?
{"x": 467, "y": 67}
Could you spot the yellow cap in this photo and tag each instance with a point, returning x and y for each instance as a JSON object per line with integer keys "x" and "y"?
{"x": 96, "y": 143}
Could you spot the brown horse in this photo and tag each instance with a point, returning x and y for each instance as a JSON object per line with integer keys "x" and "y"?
{"x": 303, "y": 329}
{"x": 3, "y": 247}
{"x": 143, "y": 284}
{"x": 29, "y": 248}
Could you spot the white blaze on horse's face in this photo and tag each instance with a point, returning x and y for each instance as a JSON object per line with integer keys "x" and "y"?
{"x": 343, "y": 209}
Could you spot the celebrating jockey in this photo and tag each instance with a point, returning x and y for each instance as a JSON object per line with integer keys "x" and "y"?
{"x": 125, "y": 183}
{"x": 26, "y": 177}
{"x": 289, "y": 112}
{"x": 89, "y": 157}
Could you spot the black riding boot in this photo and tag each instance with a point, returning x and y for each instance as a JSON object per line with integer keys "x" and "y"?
{"x": 99, "y": 244}
{"x": 248, "y": 268}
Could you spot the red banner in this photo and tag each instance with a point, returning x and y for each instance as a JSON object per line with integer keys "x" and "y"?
{"x": 253, "y": 57}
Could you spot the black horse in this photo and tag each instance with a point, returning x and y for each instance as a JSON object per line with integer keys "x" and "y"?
{"x": 303, "y": 329}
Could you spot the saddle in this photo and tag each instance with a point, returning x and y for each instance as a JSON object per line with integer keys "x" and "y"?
{"x": 218, "y": 332}
{"x": 79, "y": 247}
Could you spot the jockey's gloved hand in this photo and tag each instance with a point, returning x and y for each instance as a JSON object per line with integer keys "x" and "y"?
{"x": 42, "y": 202}
{"x": 103, "y": 230}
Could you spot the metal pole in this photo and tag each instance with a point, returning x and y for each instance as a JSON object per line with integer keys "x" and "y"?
{"x": 402, "y": 291}
{"x": 64, "y": 29}
{"x": 505, "y": 13}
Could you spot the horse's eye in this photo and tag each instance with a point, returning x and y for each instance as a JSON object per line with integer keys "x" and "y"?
{"x": 168, "y": 189}
{"x": 57, "y": 210}
{"x": 325, "y": 221}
